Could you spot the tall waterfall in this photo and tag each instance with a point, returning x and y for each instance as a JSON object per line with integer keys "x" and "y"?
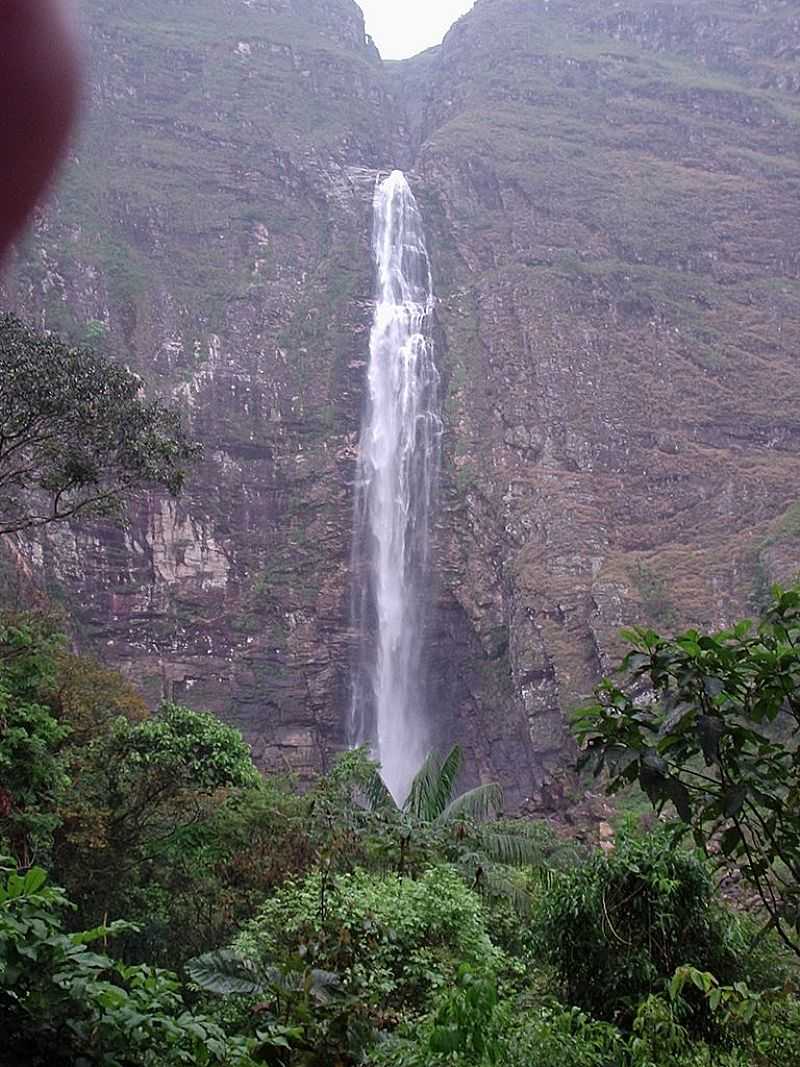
{"x": 395, "y": 490}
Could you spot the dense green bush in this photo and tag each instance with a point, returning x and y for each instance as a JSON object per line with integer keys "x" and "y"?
{"x": 753, "y": 1029}
{"x": 470, "y": 1028}
{"x": 62, "y": 1004}
{"x": 555, "y": 1037}
{"x": 617, "y": 927}
{"x": 33, "y": 778}
{"x": 393, "y": 941}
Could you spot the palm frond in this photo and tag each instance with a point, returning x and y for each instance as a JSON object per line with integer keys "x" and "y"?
{"x": 378, "y": 796}
{"x": 513, "y": 849}
{"x": 446, "y": 783}
{"x": 544, "y": 878}
{"x": 419, "y": 794}
{"x": 497, "y": 884}
{"x": 432, "y": 788}
{"x": 478, "y": 804}
{"x": 323, "y": 985}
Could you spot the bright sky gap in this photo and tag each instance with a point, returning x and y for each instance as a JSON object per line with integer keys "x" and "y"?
{"x": 402, "y": 28}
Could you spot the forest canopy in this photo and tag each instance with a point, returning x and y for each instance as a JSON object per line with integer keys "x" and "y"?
{"x": 211, "y": 915}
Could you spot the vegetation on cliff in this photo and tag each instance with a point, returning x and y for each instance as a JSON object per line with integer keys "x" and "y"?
{"x": 76, "y": 437}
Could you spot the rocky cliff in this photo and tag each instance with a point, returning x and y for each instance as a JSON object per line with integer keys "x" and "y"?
{"x": 610, "y": 196}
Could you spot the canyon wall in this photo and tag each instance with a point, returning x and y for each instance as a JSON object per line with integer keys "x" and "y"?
{"x": 610, "y": 198}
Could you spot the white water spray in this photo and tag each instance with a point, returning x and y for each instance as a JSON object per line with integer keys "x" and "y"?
{"x": 395, "y": 490}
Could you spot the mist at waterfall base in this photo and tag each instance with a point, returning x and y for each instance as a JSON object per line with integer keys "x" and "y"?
{"x": 395, "y": 493}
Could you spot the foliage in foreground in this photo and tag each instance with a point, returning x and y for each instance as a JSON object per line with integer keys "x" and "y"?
{"x": 392, "y": 941}
{"x": 472, "y": 1027}
{"x": 62, "y": 1003}
{"x": 699, "y": 723}
{"x": 328, "y": 929}
{"x": 116, "y": 802}
{"x": 616, "y": 928}
{"x": 339, "y": 961}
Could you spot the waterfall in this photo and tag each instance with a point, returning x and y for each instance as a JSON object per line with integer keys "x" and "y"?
{"x": 395, "y": 490}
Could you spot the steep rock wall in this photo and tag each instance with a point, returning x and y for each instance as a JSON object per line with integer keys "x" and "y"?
{"x": 617, "y": 234}
{"x": 610, "y": 197}
{"x": 210, "y": 230}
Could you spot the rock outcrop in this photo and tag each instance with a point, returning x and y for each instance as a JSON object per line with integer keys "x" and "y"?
{"x": 610, "y": 198}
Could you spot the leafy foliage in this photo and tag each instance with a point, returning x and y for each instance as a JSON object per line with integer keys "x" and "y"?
{"x": 212, "y": 873}
{"x": 75, "y": 435}
{"x": 393, "y": 941}
{"x": 463, "y": 1028}
{"x": 471, "y": 1027}
{"x": 361, "y": 932}
{"x": 32, "y": 777}
{"x": 758, "y": 1028}
{"x": 176, "y": 749}
{"x": 62, "y": 1003}
{"x": 616, "y": 927}
{"x": 304, "y": 1012}
{"x": 697, "y": 725}
{"x": 151, "y": 817}
{"x": 143, "y": 794}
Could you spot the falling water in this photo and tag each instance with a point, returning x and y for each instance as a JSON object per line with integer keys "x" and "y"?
{"x": 396, "y": 482}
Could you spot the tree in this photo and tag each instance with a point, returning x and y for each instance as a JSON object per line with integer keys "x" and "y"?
{"x": 161, "y": 817}
{"x": 709, "y": 723}
{"x": 76, "y": 436}
{"x": 464, "y": 825}
{"x": 32, "y": 771}
{"x": 140, "y": 790}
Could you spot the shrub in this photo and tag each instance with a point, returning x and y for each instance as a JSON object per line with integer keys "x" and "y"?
{"x": 616, "y": 928}
{"x": 33, "y": 778}
{"x": 728, "y": 698}
{"x": 393, "y": 941}
{"x": 555, "y": 1037}
{"x": 470, "y": 1029}
{"x": 63, "y": 1004}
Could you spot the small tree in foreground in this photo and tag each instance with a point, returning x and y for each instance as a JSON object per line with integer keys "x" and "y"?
{"x": 76, "y": 437}
{"x": 698, "y": 722}
{"x": 63, "y": 1004}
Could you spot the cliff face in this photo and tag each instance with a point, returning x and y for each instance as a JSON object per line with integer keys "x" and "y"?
{"x": 211, "y": 229}
{"x": 610, "y": 198}
{"x": 611, "y": 191}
